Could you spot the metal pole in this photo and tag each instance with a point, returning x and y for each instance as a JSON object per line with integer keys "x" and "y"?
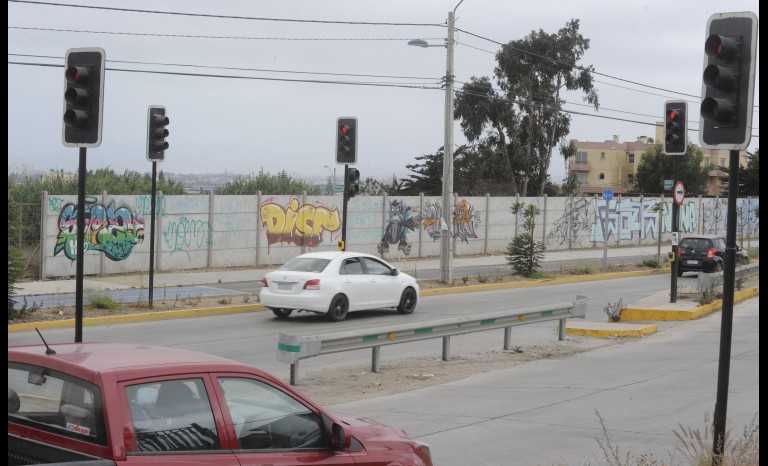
{"x": 294, "y": 372}
{"x": 675, "y": 259}
{"x": 446, "y": 348}
{"x": 375, "y": 353}
{"x": 80, "y": 247}
{"x": 152, "y": 236}
{"x": 726, "y": 325}
{"x": 561, "y": 330}
{"x": 344, "y": 213}
{"x": 507, "y": 338}
{"x": 659, "y": 213}
{"x": 446, "y": 256}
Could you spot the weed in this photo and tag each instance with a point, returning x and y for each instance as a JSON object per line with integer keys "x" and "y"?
{"x": 102, "y": 300}
{"x": 482, "y": 278}
{"x": 585, "y": 270}
{"x": 246, "y": 299}
{"x": 225, "y": 301}
{"x": 652, "y": 263}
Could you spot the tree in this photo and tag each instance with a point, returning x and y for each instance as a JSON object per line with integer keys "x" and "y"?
{"x": 281, "y": 183}
{"x": 656, "y": 166}
{"x": 524, "y": 253}
{"x": 749, "y": 177}
{"x": 522, "y": 120}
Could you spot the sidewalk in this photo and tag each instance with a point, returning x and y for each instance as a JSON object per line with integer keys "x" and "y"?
{"x": 417, "y": 267}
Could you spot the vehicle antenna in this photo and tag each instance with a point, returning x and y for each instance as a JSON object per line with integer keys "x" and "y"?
{"x": 48, "y": 349}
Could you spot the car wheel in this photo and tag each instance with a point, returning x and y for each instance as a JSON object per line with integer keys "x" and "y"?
{"x": 281, "y": 313}
{"x": 407, "y": 301}
{"x": 339, "y": 308}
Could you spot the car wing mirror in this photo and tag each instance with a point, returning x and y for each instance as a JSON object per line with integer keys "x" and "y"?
{"x": 395, "y": 272}
{"x": 338, "y": 437}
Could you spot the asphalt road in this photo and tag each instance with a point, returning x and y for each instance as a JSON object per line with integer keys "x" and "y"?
{"x": 543, "y": 412}
{"x": 252, "y": 338}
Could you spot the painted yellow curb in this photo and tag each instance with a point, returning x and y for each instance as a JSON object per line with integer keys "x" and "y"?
{"x": 142, "y": 317}
{"x": 611, "y": 332}
{"x": 644, "y": 314}
{"x": 538, "y": 282}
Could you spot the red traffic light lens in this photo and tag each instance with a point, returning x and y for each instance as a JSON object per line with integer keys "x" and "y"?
{"x": 714, "y": 45}
{"x": 673, "y": 115}
{"x": 76, "y": 73}
{"x": 344, "y": 129}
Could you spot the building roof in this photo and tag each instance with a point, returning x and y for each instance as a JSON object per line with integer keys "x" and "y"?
{"x": 612, "y": 145}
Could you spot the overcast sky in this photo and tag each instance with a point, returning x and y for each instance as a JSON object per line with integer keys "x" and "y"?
{"x": 240, "y": 126}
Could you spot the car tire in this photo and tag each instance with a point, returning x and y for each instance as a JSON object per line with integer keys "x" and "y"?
{"x": 338, "y": 309}
{"x": 281, "y": 313}
{"x": 408, "y": 301}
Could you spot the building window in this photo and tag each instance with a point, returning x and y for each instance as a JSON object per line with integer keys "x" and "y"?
{"x": 581, "y": 157}
{"x": 601, "y": 177}
{"x": 631, "y": 158}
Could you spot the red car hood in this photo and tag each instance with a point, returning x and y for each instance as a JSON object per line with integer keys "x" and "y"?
{"x": 374, "y": 434}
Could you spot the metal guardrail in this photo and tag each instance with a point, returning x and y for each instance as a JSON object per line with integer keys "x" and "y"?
{"x": 708, "y": 281}
{"x": 293, "y": 348}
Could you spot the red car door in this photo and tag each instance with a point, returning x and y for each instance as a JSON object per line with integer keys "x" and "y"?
{"x": 270, "y": 426}
{"x": 174, "y": 420}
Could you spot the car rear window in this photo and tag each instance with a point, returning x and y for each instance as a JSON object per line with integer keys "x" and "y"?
{"x": 55, "y": 402}
{"x": 305, "y": 264}
{"x": 695, "y": 243}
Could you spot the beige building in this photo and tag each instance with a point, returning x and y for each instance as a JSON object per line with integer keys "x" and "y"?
{"x": 613, "y": 164}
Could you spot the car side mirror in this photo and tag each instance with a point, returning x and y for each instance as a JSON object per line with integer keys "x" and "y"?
{"x": 338, "y": 437}
{"x": 395, "y": 272}
{"x": 14, "y": 403}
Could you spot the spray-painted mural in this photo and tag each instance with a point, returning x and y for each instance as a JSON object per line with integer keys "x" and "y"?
{"x": 298, "y": 224}
{"x": 574, "y": 222}
{"x": 466, "y": 220}
{"x": 629, "y": 219}
{"x": 108, "y": 229}
{"x": 402, "y": 219}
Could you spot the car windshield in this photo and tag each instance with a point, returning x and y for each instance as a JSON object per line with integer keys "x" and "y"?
{"x": 695, "y": 243}
{"x": 305, "y": 264}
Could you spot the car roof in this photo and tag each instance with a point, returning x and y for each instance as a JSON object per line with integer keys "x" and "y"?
{"x": 702, "y": 237}
{"x": 96, "y": 358}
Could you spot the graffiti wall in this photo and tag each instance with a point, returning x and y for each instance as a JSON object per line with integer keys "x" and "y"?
{"x": 202, "y": 231}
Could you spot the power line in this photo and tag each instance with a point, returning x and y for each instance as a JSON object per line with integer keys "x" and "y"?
{"x": 258, "y": 78}
{"x": 476, "y": 48}
{"x": 210, "y": 15}
{"x": 233, "y": 68}
{"x": 209, "y": 36}
{"x": 552, "y": 60}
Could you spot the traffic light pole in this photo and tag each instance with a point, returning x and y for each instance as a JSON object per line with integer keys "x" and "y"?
{"x": 152, "y": 236}
{"x": 675, "y": 258}
{"x": 726, "y": 322}
{"x": 80, "y": 247}
{"x": 344, "y": 213}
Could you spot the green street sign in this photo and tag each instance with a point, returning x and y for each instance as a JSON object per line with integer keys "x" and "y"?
{"x": 668, "y": 184}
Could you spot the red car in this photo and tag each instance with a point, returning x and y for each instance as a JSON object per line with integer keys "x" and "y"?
{"x": 147, "y": 405}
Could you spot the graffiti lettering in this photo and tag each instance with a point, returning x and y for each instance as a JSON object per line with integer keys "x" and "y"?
{"x": 401, "y": 220}
{"x": 466, "y": 220}
{"x": 573, "y": 223}
{"x": 298, "y": 224}
{"x": 630, "y": 219}
{"x": 55, "y": 203}
{"x": 113, "y": 231}
{"x": 144, "y": 205}
{"x": 185, "y": 234}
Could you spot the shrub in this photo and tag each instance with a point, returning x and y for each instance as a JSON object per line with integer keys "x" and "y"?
{"x": 15, "y": 271}
{"x": 652, "y": 263}
{"x": 102, "y": 300}
{"x": 524, "y": 253}
{"x": 482, "y": 278}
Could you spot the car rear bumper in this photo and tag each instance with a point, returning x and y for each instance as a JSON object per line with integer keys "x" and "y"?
{"x": 700, "y": 266}
{"x": 310, "y": 301}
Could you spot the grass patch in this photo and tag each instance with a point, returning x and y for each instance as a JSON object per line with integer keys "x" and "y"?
{"x": 102, "y": 300}
{"x": 651, "y": 263}
{"x": 584, "y": 270}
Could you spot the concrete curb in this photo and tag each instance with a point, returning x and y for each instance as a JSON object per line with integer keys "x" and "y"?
{"x": 607, "y": 330}
{"x": 238, "y": 309}
{"x": 645, "y": 314}
{"x": 539, "y": 282}
{"x": 131, "y": 318}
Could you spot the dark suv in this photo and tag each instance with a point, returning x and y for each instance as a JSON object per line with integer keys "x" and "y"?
{"x": 703, "y": 253}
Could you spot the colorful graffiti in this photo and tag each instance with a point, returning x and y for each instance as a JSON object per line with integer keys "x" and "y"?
{"x": 185, "y": 234}
{"x": 629, "y": 219}
{"x": 113, "y": 231}
{"x": 466, "y": 220}
{"x": 298, "y": 224}
{"x": 402, "y": 219}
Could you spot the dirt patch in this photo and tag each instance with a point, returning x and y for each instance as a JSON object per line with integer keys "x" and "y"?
{"x": 68, "y": 312}
{"x": 345, "y": 384}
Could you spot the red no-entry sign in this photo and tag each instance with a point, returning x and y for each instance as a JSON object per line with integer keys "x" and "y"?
{"x": 679, "y": 193}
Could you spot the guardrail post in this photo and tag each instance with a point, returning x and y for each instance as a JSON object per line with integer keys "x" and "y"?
{"x": 294, "y": 372}
{"x": 561, "y": 330}
{"x": 507, "y": 338}
{"x": 446, "y": 348}
{"x": 375, "y": 353}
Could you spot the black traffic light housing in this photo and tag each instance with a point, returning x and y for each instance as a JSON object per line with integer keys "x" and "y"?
{"x": 728, "y": 81}
{"x": 346, "y": 140}
{"x": 352, "y": 183}
{"x": 675, "y": 127}
{"x": 156, "y": 133}
{"x": 83, "y": 97}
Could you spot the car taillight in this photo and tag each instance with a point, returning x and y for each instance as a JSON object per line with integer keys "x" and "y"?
{"x": 711, "y": 252}
{"x": 313, "y": 284}
{"x": 264, "y": 283}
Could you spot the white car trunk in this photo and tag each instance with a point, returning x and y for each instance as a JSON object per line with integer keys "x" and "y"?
{"x": 289, "y": 282}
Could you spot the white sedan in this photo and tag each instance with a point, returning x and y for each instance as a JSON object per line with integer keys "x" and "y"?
{"x": 334, "y": 283}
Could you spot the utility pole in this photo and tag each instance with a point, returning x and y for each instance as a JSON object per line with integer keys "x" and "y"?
{"x": 446, "y": 254}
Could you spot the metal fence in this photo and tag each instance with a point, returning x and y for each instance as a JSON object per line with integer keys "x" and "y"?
{"x": 24, "y": 234}
{"x": 293, "y": 348}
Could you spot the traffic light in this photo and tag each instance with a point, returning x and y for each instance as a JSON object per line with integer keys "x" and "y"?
{"x": 676, "y": 128}
{"x": 83, "y": 97}
{"x": 346, "y": 140}
{"x": 156, "y": 133}
{"x": 352, "y": 183}
{"x": 729, "y": 81}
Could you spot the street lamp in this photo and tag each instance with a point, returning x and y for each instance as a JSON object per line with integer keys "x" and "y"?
{"x": 446, "y": 223}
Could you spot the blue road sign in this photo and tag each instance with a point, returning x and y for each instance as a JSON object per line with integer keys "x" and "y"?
{"x": 607, "y": 194}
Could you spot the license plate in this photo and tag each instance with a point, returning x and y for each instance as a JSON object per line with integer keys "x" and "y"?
{"x": 692, "y": 262}
{"x": 285, "y": 286}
